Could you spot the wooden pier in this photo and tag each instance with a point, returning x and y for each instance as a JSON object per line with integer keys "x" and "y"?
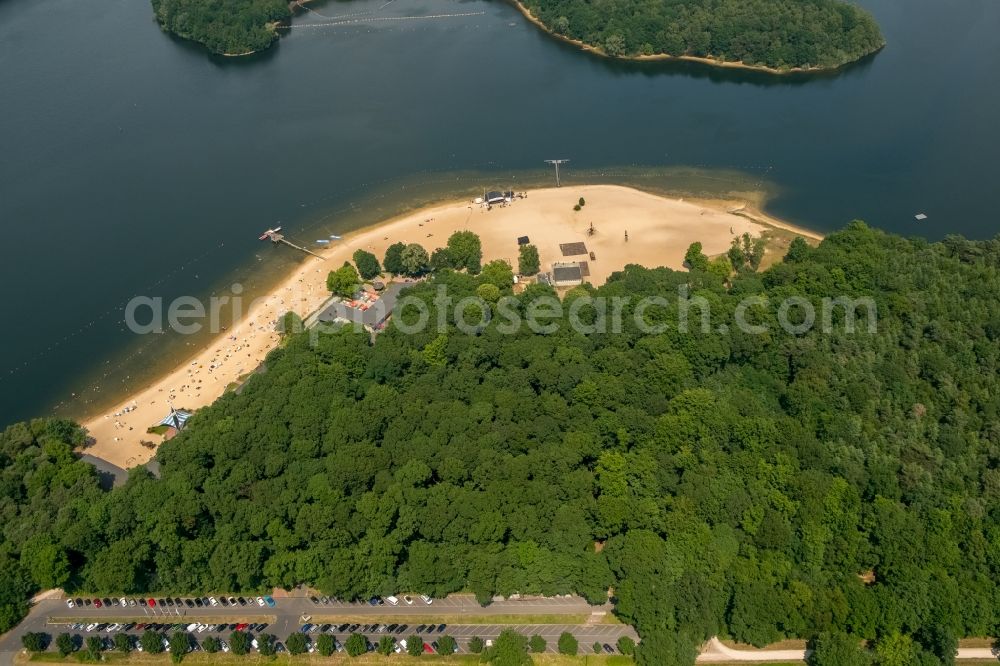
{"x": 277, "y": 237}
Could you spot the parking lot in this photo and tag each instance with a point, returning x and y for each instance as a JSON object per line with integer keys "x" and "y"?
{"x": 586, "y": 635}
{"x": 288, "y": 614}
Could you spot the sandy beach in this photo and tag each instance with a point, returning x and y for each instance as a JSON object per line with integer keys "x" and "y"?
{"x": 659, "y": 231}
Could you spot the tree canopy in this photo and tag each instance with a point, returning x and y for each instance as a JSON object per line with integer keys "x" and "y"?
{"x": 367, "y": 263}
{"x": 223, "y": 26}
{"x": 818, "y": 484}
{"x": 778, "y": 34}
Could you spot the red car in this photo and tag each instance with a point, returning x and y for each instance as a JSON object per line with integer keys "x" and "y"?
{"x": 97, "y": 603}
{"x": 152, "y": 602}
{"x": 428, "y": 649}
{"x": 241, "y": 627}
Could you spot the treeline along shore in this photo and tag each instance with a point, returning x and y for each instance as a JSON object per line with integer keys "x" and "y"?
{"x": 776, "y": 36}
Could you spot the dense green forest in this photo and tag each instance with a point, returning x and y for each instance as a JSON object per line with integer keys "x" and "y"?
{"x": 830, "y": 485}
{"x": 45, "y": 495}
{"x": 772, "y": 33}
{"x": 224, "y": 26}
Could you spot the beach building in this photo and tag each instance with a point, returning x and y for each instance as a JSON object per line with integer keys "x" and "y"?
{"x": 567, "y": 274}
{"x": 372, "y": 318}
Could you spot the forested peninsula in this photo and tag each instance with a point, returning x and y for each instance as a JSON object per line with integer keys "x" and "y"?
{"x": 841, "y": 486}
{"x": 225, "y": 27}
{"x": 774, "y": 35}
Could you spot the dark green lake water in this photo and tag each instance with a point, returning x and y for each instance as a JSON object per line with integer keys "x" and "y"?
{"x": 133, "y": 163}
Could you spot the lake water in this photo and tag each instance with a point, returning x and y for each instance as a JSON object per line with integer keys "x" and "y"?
{"x": 133, "y": 163}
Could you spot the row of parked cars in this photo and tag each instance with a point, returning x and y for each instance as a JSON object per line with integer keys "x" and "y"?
{"x": 101, "y": 627}
{"x": 371, "y": 628}
{"x": 392, "y": 600}
{"x": 168, "y": 602}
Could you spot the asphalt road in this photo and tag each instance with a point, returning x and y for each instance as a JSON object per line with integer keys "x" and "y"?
{"x": 52, "y": 616}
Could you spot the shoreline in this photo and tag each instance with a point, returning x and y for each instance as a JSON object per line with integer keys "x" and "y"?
{"x": 664, "y": 57}
{"x": 664, "y": 226}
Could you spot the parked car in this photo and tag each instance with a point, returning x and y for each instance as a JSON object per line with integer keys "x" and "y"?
{"x": 69, "y": 603}
{"x": 392, "y": 600}
{"x": 374, "y": 601}
{"x": 260, "y": 601}
{"x": 608, "y": 649}
{"x": 427, "y": 600}
{"x": 269, "y": 601}
{"x": 213, "y": 601}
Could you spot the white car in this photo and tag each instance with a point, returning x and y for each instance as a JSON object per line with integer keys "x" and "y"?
{"x": 202, "y": 628}
{"x": 253, "y": 644}
{"x": 408, "y": 599}
{"x": 427, "y": 600}
{"x": 113, "y": 627}
{"x": 131, "y": 602}
{"x": 260, "y": 601}
{"x": 392, "y": 600}
{"x": 90, "y": 627}
{"x": 402, "y": 645}
{"x": 193, "y": 627}
{"x": 69, "y": 603}
{"x": 225, "y": 646}
{"x": 123, "y": 601}
{"x": 213, "y": 601}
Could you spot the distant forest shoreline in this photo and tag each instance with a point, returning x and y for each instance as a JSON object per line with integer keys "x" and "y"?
{"x": 232, "y": 29}
{"x": 665, "y": 57}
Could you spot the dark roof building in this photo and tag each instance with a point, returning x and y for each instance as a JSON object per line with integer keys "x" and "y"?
{"x": 567, "y": 274}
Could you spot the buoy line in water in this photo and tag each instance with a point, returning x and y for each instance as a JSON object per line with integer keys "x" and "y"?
{"x": 358, "y": 21}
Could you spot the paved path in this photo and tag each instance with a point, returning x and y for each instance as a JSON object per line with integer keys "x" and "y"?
{"x": 715, "y": 652}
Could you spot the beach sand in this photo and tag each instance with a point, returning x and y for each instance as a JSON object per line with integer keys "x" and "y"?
{"x": 660, "y": 229}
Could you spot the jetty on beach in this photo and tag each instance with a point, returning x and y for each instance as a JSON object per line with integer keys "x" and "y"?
{"x": 275, "y": 236}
